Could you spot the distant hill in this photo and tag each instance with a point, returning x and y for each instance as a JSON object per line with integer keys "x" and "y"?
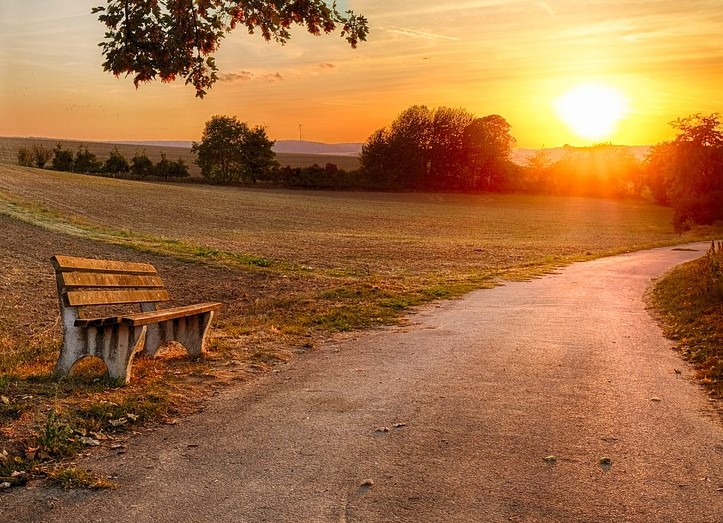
{"x": 281, "y": 146}
{"x": 304, "y": 147}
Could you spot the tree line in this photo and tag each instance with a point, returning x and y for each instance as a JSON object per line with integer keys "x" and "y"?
{"x": 448, "y": 149}
{"x": 84, "y": 161}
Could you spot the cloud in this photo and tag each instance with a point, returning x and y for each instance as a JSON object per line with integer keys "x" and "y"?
{"x": 412, "y": 33}
{"x": 243, "y": 76}
{"x": 273, "y": 77}
{"x": 326, "y": 65}
{"x": 247, "y": 76}
{"x": 546, "y": 7}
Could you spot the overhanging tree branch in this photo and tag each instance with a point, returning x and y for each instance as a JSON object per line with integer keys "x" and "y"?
{"x": 164, "y": 39}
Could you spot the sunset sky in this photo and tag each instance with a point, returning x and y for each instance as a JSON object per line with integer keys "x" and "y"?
{"x": 664, "y": 58}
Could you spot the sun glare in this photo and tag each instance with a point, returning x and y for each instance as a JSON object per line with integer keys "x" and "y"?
{"x": 591, "y": 111}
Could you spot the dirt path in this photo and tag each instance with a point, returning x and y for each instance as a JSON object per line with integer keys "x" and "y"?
{"x": 448, "y": 419}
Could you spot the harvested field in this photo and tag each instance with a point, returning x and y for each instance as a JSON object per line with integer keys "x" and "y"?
{"x": 373, "y": 233}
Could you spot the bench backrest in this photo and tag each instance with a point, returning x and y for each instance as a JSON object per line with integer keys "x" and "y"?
{"x": 89, "y": 282}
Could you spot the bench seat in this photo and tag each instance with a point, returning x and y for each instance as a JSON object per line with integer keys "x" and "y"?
{"x": 144, "y": 318}
{"x": 116, "y": 337}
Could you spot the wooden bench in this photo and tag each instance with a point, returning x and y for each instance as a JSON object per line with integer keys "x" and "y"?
{"x": 86, "y": 284}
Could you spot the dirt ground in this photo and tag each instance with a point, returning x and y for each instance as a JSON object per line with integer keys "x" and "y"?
{"x": 29, "y": 296}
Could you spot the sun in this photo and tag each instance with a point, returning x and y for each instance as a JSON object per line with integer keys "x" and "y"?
{"x": 592, "y": 111}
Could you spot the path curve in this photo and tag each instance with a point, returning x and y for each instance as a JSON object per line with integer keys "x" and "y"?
{"x": 448, "y": 419}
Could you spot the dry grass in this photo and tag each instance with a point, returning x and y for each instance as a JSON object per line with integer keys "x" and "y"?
{"x": 291, "y": 267}
{"x": 690, "y": 299}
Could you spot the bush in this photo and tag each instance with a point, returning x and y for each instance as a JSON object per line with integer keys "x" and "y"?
{"x": 178, "y": 169}
{"x": 141, "y": 165}
{"x": 25, "y": 157}
{"x": 41, "y": 155}
{"x": 62, "y": 159}
{"x": 163, "y": 168}
{"x": 116, "y": 163}
{"x": 86, "y": 161}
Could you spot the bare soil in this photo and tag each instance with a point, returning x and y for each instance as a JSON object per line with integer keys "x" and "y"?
{"x": 29, "y": 296}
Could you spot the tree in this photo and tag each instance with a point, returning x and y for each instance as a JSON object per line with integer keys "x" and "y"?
{"x": 602, "y": 170}
{"x": 399, "y": 156}
{"x": 62, "y": 159}
{"x": 230, "y": 151}
{"x": 259, "y": 156}
{"x": 41, "y": 155}
{"x": 178, "y": 169}
{"x": 688, "y": 171}
{"x": 116, "y": 163}
{"x": 141, "y": 165}
{"x": 448, "y": 149}
{"x": 171, "y": 38}
{"x": 441, "y": 149}
{"x": 537, "y": 174}
{"x": 85, "y": 161}
{"x": 163, "y": 167}
{"x": 25, "y": 157}
{"x": 489, "y": 147}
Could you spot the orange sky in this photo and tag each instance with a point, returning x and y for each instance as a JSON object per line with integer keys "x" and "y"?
{"x": 512, "y": 58}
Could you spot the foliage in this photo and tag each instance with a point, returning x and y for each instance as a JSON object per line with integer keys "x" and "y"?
{"x": 116, "y": 163}
{"x": 688, "y": 171}
{"x": 166, "y": 168}
{"x": 73, "y": 477}
{"x": 489, "y": 150}
{"x": 141, "y": 165}
{"x": 41, "y": 155}
{"x": 178, "y": 169}
{"x": 691, "y": 300}
{"x": 25, "y": 157}
{"x": 56, "y": 437}
{"x": 317, "y": 177}
{"x": 162, "y": 167}
{"x": 601, "y": 170}
{"x": 441, "y": 149}
{"x": 86, "y": 161}
{"x": 230, "y": 151}
{"x": 62, "y": 159}
{"x": 171, "y": 38}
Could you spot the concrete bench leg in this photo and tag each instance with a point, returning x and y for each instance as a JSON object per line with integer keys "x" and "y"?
{"x": 189, "y": 331}
{"x": 114, "y": 344}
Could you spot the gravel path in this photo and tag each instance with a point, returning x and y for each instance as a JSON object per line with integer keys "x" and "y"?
{"x": 497, "y": 407}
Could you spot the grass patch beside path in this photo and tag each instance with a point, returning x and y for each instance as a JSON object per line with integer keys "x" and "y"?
{"x": 690, "y": 299}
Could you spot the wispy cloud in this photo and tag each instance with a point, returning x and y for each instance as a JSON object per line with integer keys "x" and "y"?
{"x": 247, "y": 76}
{"x": 413, "y": 33}
{"x": 546, "y": 7}
{"x": 272, "y": 77}
{"x": 243, "y": 76}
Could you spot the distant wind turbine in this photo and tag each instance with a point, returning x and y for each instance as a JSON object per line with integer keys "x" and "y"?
{"x": 300, "y": 126}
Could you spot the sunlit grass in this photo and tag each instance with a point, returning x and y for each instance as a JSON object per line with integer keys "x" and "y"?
{"x": 691, "y": 300}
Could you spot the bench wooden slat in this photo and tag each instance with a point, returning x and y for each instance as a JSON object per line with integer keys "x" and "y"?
{"x": 144, "y": 318}
{"x": 96, "y": 279}
{"x": 71, "y": 263}
{"x": 115, "y": 297}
